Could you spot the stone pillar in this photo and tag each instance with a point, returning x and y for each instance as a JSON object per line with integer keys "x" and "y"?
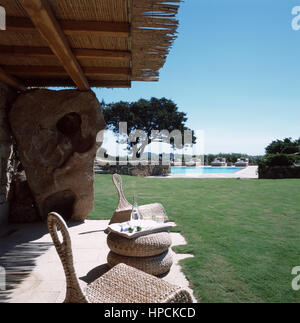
{"x": 7, "y": 95}
{"x": 56, "y": 135}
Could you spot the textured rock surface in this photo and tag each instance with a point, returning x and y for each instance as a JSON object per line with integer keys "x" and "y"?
{"x": 7, "y": 95}
{"x": 22, "y": 207}
{"x": 56, "y": 139}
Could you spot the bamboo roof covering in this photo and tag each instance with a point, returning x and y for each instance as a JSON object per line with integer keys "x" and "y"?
{"x": 85, "y": 43}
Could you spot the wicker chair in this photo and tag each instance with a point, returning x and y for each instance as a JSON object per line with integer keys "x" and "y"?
{"x": 124, "y": 208}
{"x": 121, "y": 284}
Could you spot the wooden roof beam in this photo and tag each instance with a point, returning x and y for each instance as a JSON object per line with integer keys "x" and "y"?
{"x": 44, "y": 20}
{"x": 70, "y": 27}
{"x": 37, "y": 82}
{"x": 21, "y": 51}
{"x": 10, "y": 80}
{"x": 58, "y": 70}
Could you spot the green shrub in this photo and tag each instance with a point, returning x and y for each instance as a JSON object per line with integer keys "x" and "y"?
{"x": 285, "y": 146}
{"x": 279, "y": 160}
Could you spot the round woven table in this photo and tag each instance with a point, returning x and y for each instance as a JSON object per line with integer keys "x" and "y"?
{"x": 150, "y": 253}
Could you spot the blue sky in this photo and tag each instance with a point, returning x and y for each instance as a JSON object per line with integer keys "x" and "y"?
{"x": 235, "y": 71}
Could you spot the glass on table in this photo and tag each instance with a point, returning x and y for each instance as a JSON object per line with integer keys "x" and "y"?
{"x": 123, "y": 227}
{"x": 160, "y": 218}
{"x": 147, "y": 216}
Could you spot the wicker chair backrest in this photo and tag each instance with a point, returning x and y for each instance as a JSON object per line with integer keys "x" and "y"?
{"x": 74, "y": 292}
{"x": 123, "y": 203}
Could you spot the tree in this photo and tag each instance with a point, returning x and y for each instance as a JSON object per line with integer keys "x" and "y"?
{"x": 150, "y": 116}
{"x": 285, "y": 146}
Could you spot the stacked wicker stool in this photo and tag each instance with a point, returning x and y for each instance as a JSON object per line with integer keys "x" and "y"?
{"x": 150, "y": 253}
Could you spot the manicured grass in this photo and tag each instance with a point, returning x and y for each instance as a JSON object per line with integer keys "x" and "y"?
{"x": 244, "y": 234}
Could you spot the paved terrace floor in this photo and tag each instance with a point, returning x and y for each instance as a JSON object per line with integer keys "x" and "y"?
{"x": 34, "y": 273}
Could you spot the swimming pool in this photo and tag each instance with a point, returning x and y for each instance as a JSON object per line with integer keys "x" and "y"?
{"x": 204, "y": 170}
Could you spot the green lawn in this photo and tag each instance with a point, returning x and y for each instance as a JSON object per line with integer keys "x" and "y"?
{"x": 244, "y": 234}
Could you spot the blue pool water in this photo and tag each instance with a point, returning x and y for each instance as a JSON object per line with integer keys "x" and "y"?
{"x": 205, "y": 170}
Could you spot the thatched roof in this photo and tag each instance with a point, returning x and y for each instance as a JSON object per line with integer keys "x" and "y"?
{"x": 101, "y": 43}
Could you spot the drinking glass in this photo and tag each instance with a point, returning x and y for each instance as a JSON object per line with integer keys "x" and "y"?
{"x": 160, "y": 218}
{"x": 147, "y": 216}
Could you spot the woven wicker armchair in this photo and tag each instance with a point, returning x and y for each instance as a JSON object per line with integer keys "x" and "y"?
{"x": 121, "y": 284}
{"x": 124, "y": 208}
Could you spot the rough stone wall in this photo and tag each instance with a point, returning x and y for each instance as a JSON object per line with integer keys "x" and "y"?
{"x": 22, "y": 205}
{"x": 7, "y": 96}
{"x": 56, "y": 133}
